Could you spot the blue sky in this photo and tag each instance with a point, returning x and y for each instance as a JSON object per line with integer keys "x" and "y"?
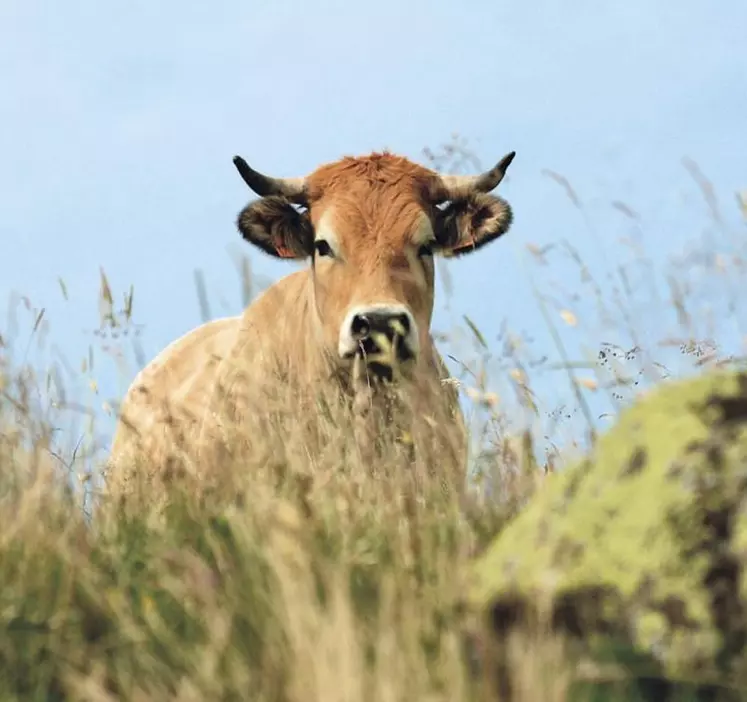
{"x": 120, "y": 121}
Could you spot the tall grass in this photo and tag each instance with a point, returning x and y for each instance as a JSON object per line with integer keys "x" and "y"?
{"x": 292, "y": 578}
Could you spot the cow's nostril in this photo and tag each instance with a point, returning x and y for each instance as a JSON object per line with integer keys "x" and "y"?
{"x": 404, "y": 320}
{"x": 360, "y": 326}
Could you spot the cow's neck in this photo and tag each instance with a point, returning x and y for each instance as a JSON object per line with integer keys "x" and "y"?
{"x": 307, "y": 354}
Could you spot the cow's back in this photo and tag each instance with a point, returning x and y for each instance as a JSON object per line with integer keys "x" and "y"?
{"x": 161, "y": 413}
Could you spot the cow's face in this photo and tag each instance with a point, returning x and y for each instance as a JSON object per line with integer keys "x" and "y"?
{"x": 370, "y": 227}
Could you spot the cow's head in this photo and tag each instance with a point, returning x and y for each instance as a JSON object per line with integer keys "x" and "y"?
{"x": 370, "y": 227}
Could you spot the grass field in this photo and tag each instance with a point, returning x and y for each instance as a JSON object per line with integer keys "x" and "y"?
{"x": 285, "y": 581}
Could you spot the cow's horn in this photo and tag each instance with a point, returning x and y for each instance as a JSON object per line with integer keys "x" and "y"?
{"x": 292, "y": 188}
{"x": 454, "y": 186}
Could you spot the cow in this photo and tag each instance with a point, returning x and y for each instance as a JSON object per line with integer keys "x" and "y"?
{"x": 368, "y": 228}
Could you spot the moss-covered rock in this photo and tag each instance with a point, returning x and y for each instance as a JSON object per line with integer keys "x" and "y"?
{"x": 644, "y": 543}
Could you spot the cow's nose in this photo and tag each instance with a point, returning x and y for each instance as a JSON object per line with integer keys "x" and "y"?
{"x": 367, "y": 324}
{"x": 381, "y": 335}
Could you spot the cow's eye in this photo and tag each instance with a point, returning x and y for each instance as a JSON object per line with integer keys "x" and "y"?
{"x": 425, "y": 250}
{"x": 322, "y": 248}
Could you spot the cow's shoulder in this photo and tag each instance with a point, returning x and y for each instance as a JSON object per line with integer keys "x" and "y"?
{"x": 181, "y": 366}
{"x": 170, "y": 391}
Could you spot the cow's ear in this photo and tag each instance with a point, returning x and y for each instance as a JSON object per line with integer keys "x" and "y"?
{"x": 274, "y": 225}
{"x": 467, "y": 224}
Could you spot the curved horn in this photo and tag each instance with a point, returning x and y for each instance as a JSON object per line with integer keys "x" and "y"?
{"x": 292, "y": 188}
{"x": 455, "y": 186}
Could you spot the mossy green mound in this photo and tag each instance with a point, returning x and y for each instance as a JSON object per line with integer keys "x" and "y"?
{"x": 644, "y": 543}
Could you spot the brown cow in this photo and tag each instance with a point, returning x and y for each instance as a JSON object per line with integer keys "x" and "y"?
{"x": 369, "y": 227}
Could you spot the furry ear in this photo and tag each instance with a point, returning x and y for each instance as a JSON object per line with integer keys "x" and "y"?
{"x": 466, "y": 225}
{"x": 278, "y": 228}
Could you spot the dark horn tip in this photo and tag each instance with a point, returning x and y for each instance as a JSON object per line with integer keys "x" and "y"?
{"x": 244, "y": 171}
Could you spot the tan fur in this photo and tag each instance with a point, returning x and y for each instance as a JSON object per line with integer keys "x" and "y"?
{"x": 286, "y": 339}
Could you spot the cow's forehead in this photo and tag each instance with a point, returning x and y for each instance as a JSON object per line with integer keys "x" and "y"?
{"x": 375, "y": 199}
{"x": 376, "y": 169}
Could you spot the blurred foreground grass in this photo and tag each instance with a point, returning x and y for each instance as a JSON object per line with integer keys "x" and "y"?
{"x": 343, "y": 587}
{"x": 261, "y": 592}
